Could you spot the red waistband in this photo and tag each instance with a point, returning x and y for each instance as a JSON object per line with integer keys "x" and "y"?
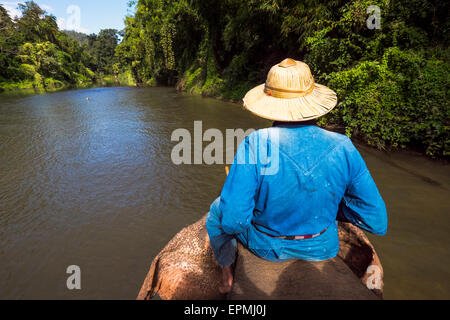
{"x": 310, "y": 236}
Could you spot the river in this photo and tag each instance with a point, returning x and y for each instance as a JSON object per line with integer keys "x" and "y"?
{"x": 91, "y": 183}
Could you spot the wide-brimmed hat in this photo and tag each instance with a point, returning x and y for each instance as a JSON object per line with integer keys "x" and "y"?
{"x": 290, "y": 94}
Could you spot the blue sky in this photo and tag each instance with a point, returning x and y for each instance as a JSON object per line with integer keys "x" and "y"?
{"x": 88, "y": 16}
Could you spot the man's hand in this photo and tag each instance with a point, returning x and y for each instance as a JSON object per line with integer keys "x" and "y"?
{"x": 227, "y": 280}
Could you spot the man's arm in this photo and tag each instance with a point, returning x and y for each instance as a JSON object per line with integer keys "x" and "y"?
{"x": 237, "y": 200}
{"x": 362, "y": 204}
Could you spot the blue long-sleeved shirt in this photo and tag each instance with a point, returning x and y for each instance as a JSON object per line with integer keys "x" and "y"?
{"x": 292, "y": 180}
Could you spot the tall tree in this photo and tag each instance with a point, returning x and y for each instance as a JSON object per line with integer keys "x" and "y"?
{"x": 102, "y": 47}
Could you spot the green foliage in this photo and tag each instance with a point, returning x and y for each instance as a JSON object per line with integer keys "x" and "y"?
{"x": 125, "y": 78}
{"x": 34, "y": 53}
{"x": 53, "y": 85}
{"x": 148, "y": 47}
{"x": 392, "y": 82}
{"x": 193, "y": 79}
{"x": 81, "y": 38}
{"x": 102, "y": 49}
{"x": 399, "y": 102}
{"x": 38, "y": 81}
{"x": 27, "y": 71}
{"x": 213, "y": 82}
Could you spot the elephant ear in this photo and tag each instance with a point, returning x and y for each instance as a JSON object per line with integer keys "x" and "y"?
{"x": 360, "y": 256}
{"x": 185, "y": 269}
{"x": 148, "y": 289}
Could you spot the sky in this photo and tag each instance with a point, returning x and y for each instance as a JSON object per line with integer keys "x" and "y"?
{"x": 87, "y": 16}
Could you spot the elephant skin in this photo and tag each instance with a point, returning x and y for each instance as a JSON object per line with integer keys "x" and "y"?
{"x": 186, "y": 270}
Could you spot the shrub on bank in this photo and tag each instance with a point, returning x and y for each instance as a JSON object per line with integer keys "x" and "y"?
{"x": 400, "y": 101}
{"x": 53, "y": 85}
{"x": 392, "y": 80}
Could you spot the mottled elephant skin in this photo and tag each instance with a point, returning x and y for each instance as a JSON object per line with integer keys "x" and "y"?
{"x": 186, "y": 270}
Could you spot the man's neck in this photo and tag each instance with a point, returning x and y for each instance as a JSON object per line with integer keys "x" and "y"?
{"x": 312, "y": 122}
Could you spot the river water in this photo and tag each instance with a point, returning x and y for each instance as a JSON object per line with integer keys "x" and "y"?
{"x": 91, "y": 183}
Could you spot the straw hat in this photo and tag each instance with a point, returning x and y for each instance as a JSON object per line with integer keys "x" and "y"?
{"x": 290, "y": 94}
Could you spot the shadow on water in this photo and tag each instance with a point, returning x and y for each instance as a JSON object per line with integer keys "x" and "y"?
{"x": 382, "y": 156}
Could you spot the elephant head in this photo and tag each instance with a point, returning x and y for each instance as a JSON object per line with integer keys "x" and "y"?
{"x": 186, "y": 270}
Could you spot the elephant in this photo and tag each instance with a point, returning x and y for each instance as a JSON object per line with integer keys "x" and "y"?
{"x": 186, "y": 270}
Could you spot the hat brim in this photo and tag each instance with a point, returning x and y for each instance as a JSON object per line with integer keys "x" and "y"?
{"x": 314, "y": 105}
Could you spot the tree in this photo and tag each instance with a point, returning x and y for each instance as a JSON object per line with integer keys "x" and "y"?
{"x": 8, "y": 44}
{"x": 35, "y": 25}
{"x": 33, "y": 48}
{"x": 102, "y": 48}
{"x": 390, "y": 89}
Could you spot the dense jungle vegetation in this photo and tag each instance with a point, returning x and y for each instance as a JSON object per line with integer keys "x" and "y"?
{"x": 35, "y": 54}
{"x": 392, "y": 82}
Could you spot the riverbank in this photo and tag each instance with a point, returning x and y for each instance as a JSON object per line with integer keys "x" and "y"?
{"x": 46, "y": 85}
{"x": 189, "y": 85}
{"x": 193, "y": 83}
{"x": 392, "y": 82}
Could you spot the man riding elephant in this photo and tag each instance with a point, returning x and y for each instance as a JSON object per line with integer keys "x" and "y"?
{"x": 290, "y": 183}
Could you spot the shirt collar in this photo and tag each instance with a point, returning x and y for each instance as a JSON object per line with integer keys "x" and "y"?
{"x": 294, "y": 124}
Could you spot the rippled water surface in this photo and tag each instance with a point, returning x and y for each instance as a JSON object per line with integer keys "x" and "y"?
{"x": 91, "y": 183}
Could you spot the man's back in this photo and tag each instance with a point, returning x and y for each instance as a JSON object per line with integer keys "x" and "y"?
{"x": 292, "y": 180}
{"x": 315, "y": 167}
{"x": 288, "y": 183}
